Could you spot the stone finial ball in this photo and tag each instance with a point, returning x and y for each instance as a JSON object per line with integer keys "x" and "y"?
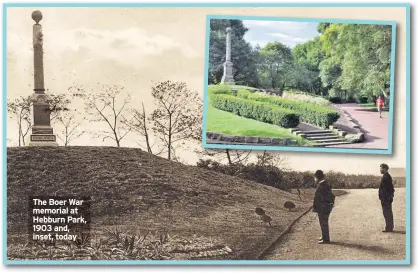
{"x": 228, "y": 29}
{"x": 37, "y": 16}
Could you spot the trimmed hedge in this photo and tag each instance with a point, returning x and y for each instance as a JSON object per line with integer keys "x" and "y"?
{"x": 264, "y": 112}
{"x": 308, "y": 112}
{"x": 219, "y": 89}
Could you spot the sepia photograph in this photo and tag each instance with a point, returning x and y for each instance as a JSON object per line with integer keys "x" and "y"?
{"x": 299, "y": 83}
{"x": 108, "y": 108}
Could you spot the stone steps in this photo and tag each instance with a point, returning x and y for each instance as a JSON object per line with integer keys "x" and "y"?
{"x": 332, "y": 140}
{"x": 330, "y": 144}
{"x": 323, "y": 137}
{"x": 315, "y": 138}
{"x": 317, "y": 132}
{"x": 319, "y": 135}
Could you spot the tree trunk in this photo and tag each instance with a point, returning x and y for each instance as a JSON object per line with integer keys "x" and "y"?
{"x": 228, "y": 157}
{"x": 116, "y": 136}
{"x": 146, "y": 132}
{"x": 66, "y": 136}
{"x": 169, "y": 145}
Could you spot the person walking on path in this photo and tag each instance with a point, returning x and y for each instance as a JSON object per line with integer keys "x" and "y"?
{"x": 323, "y": 204}
{"x": 386, "y": 195}
{"x": 380, "y": 104}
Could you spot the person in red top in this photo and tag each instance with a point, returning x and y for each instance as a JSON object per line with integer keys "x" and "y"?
{"x": 380, "y": 104}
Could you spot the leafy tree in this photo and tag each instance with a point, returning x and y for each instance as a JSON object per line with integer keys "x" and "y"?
{"x": 241, "y": 53}
{"x": 321, "y": 28}
{"x": 358, "y": 58}
{"x": 305, "y": 73}
{"x": 276, "y": 59}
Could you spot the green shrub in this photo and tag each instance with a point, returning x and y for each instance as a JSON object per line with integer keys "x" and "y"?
{"x": 361, "y": 99}
{"x": 335, "y": 100}
{"x": 310, "y": 113}
{"x": 264, "y": 112}
{"x": 219, "y": 89}
{"x": 285, "y": 180}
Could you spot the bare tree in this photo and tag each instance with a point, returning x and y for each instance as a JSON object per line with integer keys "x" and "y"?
{"x": 109, "y": 106}
{"x": 178, "y": 115}
{"x": 70, "y": 127}
{"x": 21, "y": 109}
{"x": 140, "y": 123}
{"x": 66, "y": 115}
{"x": 269, "y": 159}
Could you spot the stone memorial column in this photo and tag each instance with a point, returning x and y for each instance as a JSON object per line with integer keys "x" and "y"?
{"x": 228, "y": 65}
{"x": 42, "y": 132}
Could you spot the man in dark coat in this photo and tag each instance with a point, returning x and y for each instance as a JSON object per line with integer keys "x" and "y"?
{"x": 323, "y": 204}
{"x": 386, "y": 195}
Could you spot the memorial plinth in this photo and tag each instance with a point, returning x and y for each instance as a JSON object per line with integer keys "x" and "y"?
{"x": 42, "y": 132}
{"x": 228, "y": 65}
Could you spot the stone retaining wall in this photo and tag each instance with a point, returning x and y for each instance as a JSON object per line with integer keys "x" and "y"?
{"x": 251, "y": 139}
{"x": 359, "y": 136}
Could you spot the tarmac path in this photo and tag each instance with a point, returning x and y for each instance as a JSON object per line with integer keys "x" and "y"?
{"x": 355, "y": 224}
{"x": 374, "y": 128}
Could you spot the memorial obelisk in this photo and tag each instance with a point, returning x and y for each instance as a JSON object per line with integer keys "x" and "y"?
{"x": 228, "y": 65}
{"x": 42, "y": 132}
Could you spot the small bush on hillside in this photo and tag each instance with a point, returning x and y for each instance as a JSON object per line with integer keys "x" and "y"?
{"x": 266, "y": 175}
{"x": 310, "y": 113}
{"x": 286, "y": 180}
{"x": 219, "y": 89}
{"x": 335, "y": 100}
{"x": 260, "y": 111}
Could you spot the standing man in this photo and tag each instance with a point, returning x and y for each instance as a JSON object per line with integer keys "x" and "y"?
{"x": 323, "y": 204}
{"x": 386, "y": 195}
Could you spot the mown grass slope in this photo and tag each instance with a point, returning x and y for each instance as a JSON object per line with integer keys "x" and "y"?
{"x": 229, "y": 123}
{"x": 139, "y": 191}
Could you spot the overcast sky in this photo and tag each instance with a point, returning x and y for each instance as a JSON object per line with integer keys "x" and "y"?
{"x": 136, "y": 48}
{"x": 287, "y": 32}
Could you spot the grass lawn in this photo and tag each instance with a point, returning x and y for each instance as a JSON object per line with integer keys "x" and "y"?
{"x": 229, "y": 123}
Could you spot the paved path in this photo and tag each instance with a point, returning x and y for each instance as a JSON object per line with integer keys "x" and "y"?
{"x": 355, "y": 230}
{"x": 374, "y": 127}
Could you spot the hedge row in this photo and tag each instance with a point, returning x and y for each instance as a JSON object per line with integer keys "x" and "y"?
{"x": 260, "y": 111}
{"x": 309, "y": 113}
{"x": 219, "y": 89}
{"x": 286, "y": 180}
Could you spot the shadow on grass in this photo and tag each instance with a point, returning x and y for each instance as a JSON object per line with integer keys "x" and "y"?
{"x": 378, "y": 249}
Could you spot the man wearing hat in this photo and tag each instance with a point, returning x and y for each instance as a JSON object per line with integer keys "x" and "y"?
{"x": 323, "y": 204}
{"x": 386, "y": 195}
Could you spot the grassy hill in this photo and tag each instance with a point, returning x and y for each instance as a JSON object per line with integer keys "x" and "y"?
{"x": 137, "y": 192}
